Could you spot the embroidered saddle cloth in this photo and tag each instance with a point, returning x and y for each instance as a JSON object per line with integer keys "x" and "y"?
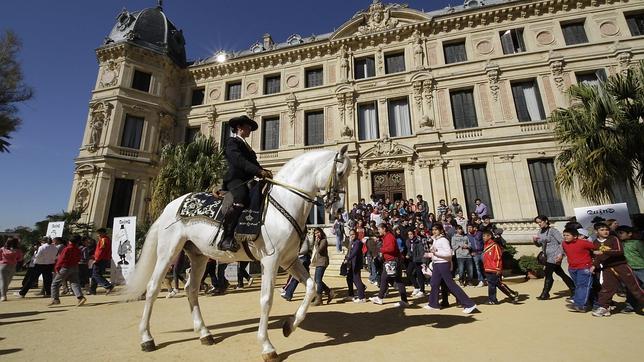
{"x": 205, "y": 205}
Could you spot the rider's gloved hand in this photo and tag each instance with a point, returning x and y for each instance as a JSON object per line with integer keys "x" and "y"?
{"x": 265, "y": 174}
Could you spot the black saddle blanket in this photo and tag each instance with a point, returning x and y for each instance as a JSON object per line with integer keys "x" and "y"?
{"x": 202, "y": 205}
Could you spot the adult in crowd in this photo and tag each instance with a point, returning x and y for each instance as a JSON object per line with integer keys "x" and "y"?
{"x": 549, "y": 240}
{"x": 44, "y": 260}
{"x": 481, "y": 209}
{"x": 83, "y": 264}
{"x": 102, "y": 260}
{"x": 441, "y": 209}
{"x": 354, "y": 266}
{"x": 455, "y": 207}
{"x": 475, "y": 238}
{"x": 338, "y": 231}
{"x": 390, "y": 255}
{"x": 422, "y": 207}
{"x": 321, "y": 262}
{"x": 441, "y": 255}
{"x": 461, "y": 247}
{"x": 10, "y": 256}
{"x": 66, "y": 269}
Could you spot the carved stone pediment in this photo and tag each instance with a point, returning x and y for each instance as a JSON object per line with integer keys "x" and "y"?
{"x": 379, "y": 17}
{"x": 387, "y": 148}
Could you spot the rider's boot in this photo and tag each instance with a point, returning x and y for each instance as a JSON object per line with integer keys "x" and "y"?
{"x": 228, "y": 242}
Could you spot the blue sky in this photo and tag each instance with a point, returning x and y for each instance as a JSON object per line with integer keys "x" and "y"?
{"x": 59, "y": 39}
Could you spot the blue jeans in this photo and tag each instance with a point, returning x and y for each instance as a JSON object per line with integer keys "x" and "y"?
{"x": 373, "y": 271}
{"x": 292, "y": 284}
{"x": 583, "y": 280}
{"x": 338, "y": 242}
{"x": 478, "y": 265}
{"x": 319, "y": 273}
{"x": 464, "y": 263}
{"x": 492, "y": 284}
{"x": 97, "y": 276}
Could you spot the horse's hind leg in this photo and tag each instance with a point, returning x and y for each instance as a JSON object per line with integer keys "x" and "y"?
{"x": 269, "y": 272}
{"x": 197, "y": 267}
{"x": 299, "y": 272}
{"x": 165, "y": 256}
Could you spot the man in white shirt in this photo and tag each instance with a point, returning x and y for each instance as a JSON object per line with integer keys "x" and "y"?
{"x": 44, "y": 259}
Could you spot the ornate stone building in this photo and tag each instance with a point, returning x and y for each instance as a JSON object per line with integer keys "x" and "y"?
{"x": 446, "y": 103}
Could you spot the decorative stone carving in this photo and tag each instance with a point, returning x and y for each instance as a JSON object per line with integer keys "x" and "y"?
{"x": 545, "y": 37}
{"x": 419, "y": 53}
{"x": 624, "y": 60}
{"x": 557, "y": 70}
{"x": 291, "y": 104}
{"x": 166, "y": 129}
{"x": 507, "y": 157}
{"x": 484, "y": 47}
{"x": 427, "y": 122}
{"x": 249, "y": 107}
{"x": 417, "y": 86}
{"x": 386, "y": 147}
{"x": 343, "y": 64}
{"x": 251, "y": 88}
{"x": 99, "y": 117}
{"x": 346, "y": 132}
{"x": 81, "y": 200}
{"x": 342, "y": 98}
{"x": 110, "y": 74}
{"x": 214, "y": 94}
{"x": 493, "y": 72}
{"x": 609, "y": 28}
{"x": 292, "y": 81}
{"x": 378, "y": 18}
{"x": 387, "y": 164}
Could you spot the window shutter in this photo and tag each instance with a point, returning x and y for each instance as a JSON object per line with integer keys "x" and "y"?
{"x": 520, "y": 102}
{"x": 314, "y": 128}
{"x": 371, "y": 67}
{"x": 475, "y": 185}
{"x": 463, "y": 109}
{"x": 542, "y": 175}
{"x": 271, "y": 134}
{"x": 132, "y": 132}
{"x": 506, "y": 42}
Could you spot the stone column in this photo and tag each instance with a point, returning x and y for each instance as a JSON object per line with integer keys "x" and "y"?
{"x": 383, "y": 120}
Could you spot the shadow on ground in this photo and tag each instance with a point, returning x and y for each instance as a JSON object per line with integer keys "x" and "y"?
{"x": 9, "y": 351}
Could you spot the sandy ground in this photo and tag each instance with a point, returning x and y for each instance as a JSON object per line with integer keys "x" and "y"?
{"x": 106, "y": 330}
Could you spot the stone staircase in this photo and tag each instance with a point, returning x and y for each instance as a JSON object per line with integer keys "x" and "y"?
{"x": 335, "y": 260}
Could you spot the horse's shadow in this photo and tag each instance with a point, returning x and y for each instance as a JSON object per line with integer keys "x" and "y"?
{"x": 342, "y": 327}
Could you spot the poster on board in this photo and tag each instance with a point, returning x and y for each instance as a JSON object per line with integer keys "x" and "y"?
{"x": 55, "y": 229}
{"x": 123, "y": 248}
{"x": 588, "y": 216}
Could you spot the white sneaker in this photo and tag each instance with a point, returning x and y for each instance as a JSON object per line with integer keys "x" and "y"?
{"x": 429, "y": 307}
{"x": 250, "y": 282}
{"x": 3, "y": 298}
{"x": 358, "y": 300}
{"x": 415, "y": 291}
{"x": 172, "y": 294}
{"x": 376, "y": 300}
{"x": 402, "y": 304}
{"x": 418, "y": 294}
{"x": 469, "y": 310}
{"x": 480, "y": 284}
{"x": 17, "y": 294}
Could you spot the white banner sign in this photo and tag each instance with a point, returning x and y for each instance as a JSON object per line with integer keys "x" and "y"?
{"x": 123, "y": 247}
{"x": 588, "y": 216}
{"x": 55, "y": 229}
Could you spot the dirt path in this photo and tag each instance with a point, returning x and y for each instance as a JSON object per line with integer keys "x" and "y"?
{"x": 106, "y": 330}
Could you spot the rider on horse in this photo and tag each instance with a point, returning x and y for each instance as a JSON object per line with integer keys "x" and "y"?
{"x": 242, "y": 167}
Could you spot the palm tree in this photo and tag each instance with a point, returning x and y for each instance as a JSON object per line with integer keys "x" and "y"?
{"x": 601, "y": 135}
{"x": 197, "y": 166}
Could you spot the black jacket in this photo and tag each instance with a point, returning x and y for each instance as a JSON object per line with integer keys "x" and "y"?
{"x": 242, "y": 161}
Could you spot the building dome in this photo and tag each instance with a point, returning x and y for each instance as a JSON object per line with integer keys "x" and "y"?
{"x": 151, "y": 29}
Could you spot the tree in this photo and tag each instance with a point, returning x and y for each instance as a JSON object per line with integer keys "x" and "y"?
{"x": 602, "y": 134}
{"x": 12, "y": 88}
{"x": 197, "y": 166}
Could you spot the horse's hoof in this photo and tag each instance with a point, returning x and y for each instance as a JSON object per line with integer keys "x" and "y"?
{"x": 207, "y": 340}
{"x": 271, "y": 357}
{"x": 287, "y": 326}
{"x": 148, "y": 346}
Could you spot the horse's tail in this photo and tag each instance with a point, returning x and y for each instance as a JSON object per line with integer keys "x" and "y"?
{"x": 137, "y": 285}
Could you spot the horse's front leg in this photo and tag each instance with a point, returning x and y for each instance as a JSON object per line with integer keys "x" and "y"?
{"x": 302, "y": 275}
{"x": 197, "y": 267}
{"x": 269, "y": 272}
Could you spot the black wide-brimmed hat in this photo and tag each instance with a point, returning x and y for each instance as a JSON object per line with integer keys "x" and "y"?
{"x": 238, "y": 121}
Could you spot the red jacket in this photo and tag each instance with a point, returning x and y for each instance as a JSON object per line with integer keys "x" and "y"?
{"x": 492, "y": 262}
{"x": 68, "y": 258}
{"x": 578, "y": 253}
{"x": 103, "y": 248}
{"x": 389, "y": 247}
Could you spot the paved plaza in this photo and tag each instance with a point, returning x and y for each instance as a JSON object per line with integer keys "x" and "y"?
{"x": 105, "y": 329}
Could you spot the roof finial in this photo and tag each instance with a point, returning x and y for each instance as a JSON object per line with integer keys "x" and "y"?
{"x": 160, "y": 4}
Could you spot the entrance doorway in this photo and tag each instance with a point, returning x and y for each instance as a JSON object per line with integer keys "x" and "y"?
{"x": 388, "y": 184}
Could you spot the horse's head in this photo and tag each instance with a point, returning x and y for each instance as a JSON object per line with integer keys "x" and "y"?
{"x": 336, "y": 181}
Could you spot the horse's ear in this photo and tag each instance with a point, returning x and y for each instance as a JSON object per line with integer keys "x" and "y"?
{"x": 343, "y": 150}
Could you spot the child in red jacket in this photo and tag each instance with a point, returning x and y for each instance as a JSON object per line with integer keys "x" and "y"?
{"x": 66, "y": 268}
{"x": 493, "y": 266}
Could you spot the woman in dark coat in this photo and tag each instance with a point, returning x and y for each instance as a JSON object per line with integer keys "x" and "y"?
{"x": 354, "y": 262}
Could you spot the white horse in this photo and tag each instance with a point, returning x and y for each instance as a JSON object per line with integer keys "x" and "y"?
{"x": 296, "y": 185}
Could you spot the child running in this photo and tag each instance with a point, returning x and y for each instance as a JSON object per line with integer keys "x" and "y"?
{"x": 493, "y": 265}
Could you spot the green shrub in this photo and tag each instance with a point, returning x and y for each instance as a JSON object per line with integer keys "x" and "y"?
{"x": 530, "y": 263}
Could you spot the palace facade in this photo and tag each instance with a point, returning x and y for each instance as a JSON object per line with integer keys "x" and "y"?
{"x": 451, "y": 103}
